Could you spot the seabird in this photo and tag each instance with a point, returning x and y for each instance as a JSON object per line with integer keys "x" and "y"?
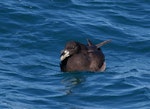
{"x": 79, "y": 57}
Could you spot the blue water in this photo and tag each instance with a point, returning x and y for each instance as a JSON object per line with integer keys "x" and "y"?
{"x": 32, "y": 34}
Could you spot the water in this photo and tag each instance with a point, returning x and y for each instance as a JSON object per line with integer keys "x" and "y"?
{"x": 32, "y": 34}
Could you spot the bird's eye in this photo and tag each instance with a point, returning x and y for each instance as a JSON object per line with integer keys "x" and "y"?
{"x": 72, "y": 47}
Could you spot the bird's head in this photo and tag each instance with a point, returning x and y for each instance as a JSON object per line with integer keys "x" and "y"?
{"x": 70, "y": 49}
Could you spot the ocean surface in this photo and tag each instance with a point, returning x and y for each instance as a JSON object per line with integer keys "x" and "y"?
{"x": 32, "y": 34}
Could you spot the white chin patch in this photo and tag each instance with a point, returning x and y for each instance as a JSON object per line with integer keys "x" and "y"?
{"x": 65, "y": 55}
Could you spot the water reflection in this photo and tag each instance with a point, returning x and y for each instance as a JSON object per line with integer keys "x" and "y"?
{"x": 72, "y": 81}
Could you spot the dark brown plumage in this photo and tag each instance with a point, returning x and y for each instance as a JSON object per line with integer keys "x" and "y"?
{"x": 80, "y": 57}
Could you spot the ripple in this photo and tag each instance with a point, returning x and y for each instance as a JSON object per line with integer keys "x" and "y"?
{"x": 33, "y": 34}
